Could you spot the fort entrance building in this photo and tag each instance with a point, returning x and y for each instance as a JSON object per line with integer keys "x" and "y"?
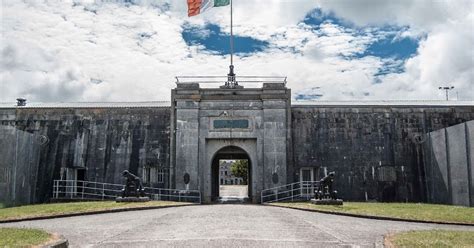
{"x": 419, "y": 151}
{"x": 227, "y": 123}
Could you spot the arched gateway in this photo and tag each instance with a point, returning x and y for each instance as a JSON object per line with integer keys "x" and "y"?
{"x": 231, "y": 152}
{"x": 220, "y": 123}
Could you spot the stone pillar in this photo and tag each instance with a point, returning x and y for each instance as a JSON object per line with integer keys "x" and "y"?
{"x": 186, "y": 97}
{"x": 275, "y": 99}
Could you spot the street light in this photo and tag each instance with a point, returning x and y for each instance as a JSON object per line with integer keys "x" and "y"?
{"x": 447, "y": 89}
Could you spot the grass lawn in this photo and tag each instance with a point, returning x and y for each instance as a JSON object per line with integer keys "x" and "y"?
{"x": 411, "y": 211}
{"x": 19, "y": 237}
{"x": 52, "y": 209}
{"x": 432, "y": 238}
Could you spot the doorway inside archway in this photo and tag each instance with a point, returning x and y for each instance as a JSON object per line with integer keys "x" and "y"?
{"x": 231, "y": 175}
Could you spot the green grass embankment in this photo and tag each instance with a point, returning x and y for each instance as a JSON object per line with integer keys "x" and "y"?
{"x": 22, "y": 237}
{"x": 431, "y": 238}
{"x": 55, "y": 209}
{"x": 407, "y": 211}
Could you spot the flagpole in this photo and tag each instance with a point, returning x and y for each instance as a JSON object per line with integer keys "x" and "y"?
{"x": 231, "y": 37}
{"x": 231, "y": 76}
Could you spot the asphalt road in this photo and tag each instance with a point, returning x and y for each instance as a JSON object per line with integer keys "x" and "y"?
{"x": 224, "y": 226}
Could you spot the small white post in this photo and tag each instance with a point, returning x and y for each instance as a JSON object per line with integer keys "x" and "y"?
{"x": 54, "y": 189}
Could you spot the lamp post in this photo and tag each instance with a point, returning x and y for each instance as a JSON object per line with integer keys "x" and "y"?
{"x": 447, "y": 89}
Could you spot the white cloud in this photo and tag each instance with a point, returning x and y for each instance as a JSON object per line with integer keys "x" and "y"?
{"x": 419, "y": 14}
{"x": 57, "y": 51}
{"x": 446, "y": 57}
{"x": 38, "y": 75}
{"x": 336, "y": 40}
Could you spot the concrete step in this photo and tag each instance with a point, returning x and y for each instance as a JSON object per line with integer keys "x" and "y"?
{"x": 233, "y": 200}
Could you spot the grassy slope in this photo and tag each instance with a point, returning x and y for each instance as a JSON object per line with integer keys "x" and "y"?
{"x": 37, "y": 210}
{"x": 433, "y": 238}
{"x": 413, "y": 211}
{"x": 18, "y": 237}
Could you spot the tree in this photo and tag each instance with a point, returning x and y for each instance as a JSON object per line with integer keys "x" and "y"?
{"x": 240, "y": 169}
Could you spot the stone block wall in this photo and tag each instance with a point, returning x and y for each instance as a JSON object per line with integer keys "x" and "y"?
{"x": 448, "y": 160}
{"x": 19, "y": 162}
{"x": 100, "y": 141}
{"x": 375, "y": 150}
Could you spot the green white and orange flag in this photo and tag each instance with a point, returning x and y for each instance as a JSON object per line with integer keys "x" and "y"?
{"x": 196, "y": 7}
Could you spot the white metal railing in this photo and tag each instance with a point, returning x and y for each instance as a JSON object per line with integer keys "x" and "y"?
{"x": 303, "y": 190}
{"x": 77, "y": 189}
{"x": 222, "y": 79}
{"x": 160, "y": 194}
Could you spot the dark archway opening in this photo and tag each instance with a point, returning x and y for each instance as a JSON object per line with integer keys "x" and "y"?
{"x": 230, "y": 154}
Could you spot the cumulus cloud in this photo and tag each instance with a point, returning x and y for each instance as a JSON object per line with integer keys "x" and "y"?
{"x": 420, "y": 14}
{"x": 445, "y": 57}
{"x": 121, "y": 51}
{"x": 32, "y": 72}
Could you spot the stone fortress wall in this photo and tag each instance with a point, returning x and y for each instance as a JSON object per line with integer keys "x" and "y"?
{"x": 449, "y": 159}
{"x": 19, "y": 164}
{"x": 375, "y": 149}
{"x": 100, "y": 142}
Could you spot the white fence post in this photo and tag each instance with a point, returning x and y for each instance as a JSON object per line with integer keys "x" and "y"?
{"x": 54, "y": 189}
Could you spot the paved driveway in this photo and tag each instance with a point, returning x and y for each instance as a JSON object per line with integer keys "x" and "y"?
{"x": 233, "y": 190}
{"x": 223, "y": 226}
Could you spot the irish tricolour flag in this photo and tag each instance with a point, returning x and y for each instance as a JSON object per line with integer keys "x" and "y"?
{"x": 195, "y": 7}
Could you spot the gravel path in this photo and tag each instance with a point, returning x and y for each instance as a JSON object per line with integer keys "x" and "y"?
{"x": 224, "y": 226}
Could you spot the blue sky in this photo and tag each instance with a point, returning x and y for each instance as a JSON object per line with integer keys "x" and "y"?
{"x": 213, "y": 39}
{"x": 329, "y": 50}
{"x": 386, "y": 43}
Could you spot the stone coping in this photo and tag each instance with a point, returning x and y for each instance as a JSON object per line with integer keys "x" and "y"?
{"x": 57, "y": 241}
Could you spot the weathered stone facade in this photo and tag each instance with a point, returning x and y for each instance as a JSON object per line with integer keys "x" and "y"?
{"x": 375, "y": 150}
{"x": 264, "y": 135}
{"x": 89, "y": 143}
{"x": 449, "y": 159}
{"x": 374, "y": 147}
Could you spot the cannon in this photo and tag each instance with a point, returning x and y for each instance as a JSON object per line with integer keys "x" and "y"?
{"x": 133, "y": 190}
{"x": 324, "y": 192}
{"x": 133, "y": 186}
{"x": 325, "y": 188}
